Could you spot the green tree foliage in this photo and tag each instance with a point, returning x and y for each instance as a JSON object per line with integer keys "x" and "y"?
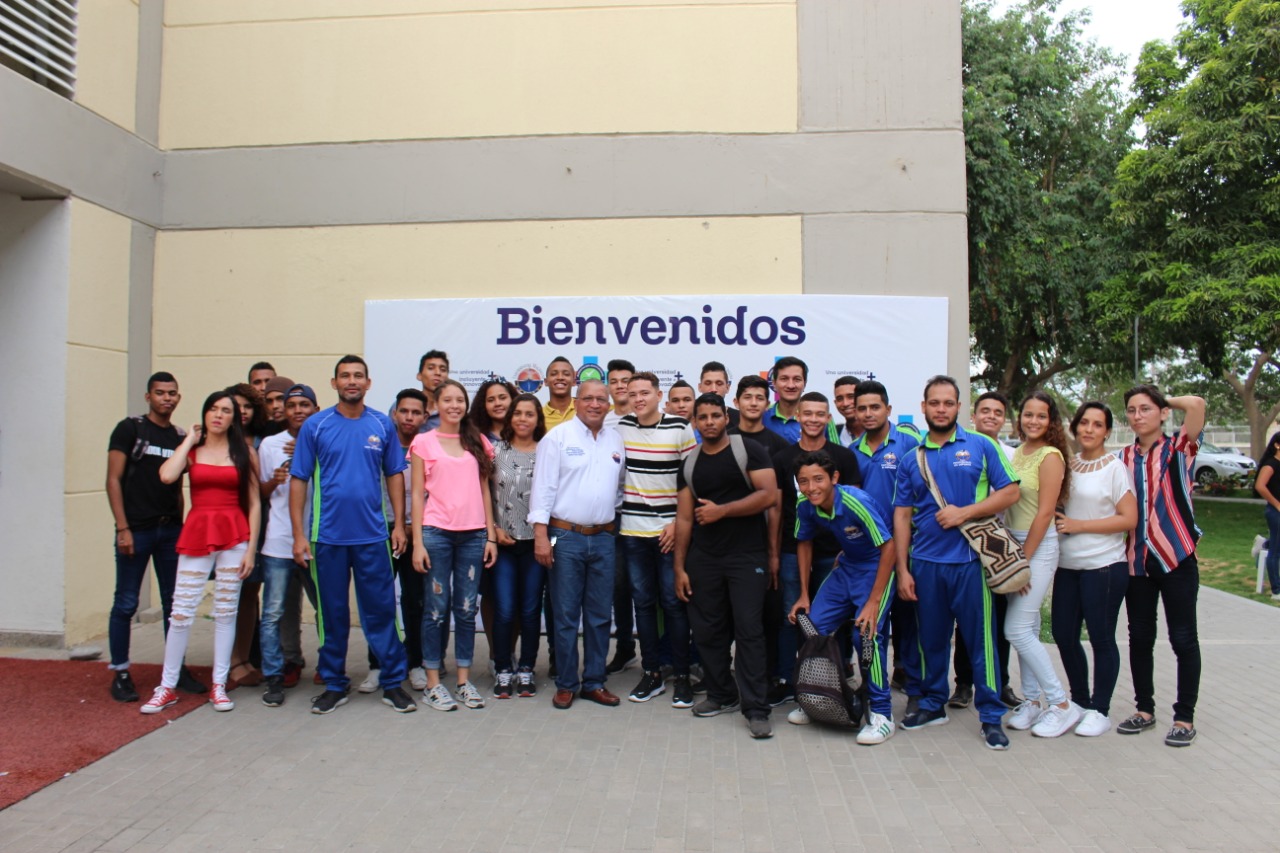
{"x": 1045, "y": 127}
{"x": 1198, "y": 204}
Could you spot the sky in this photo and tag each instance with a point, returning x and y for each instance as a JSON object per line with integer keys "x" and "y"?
{"x": 1124, "y": 25}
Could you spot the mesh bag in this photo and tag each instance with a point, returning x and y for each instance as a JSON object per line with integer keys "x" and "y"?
{"x": 822, "y": 689}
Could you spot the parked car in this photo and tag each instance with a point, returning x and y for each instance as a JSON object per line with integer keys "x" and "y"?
{"x": 1216, "y": 463}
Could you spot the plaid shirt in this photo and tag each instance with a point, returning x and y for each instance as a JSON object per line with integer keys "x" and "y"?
{"x": 1161, "y": 477}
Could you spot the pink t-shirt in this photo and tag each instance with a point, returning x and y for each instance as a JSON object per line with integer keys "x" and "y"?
{"x": 453, "y": 484}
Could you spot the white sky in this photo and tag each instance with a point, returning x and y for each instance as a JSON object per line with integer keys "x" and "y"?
{"x": 1124, "y": 25}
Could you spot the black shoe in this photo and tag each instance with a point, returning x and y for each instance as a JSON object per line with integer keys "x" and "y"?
{"x": 780, "y": 693}
{"x": 1180, "y": 736}
{"x": 122, "y": 689}
{"x": 327, "y": 701}
{"x": 398, "y": 700}
{"x": 622, "y": 659}
{"x": 650, "y": 685}
{"x": 274, "y": 695}
{"x": 962, "y": 697}
{"x": 913, "y": 705}
{"x": 712, "y": 708}
{"x": 994, "y": 737}
{"x": 1009, "y": 698}
{"x": 699, "y": 687}
{"x": 923, "y": 718}
{"x": 681, "y": 692}
{"x": 1136, "y": 724}
{"x": 898, "y": 681}
{"x": 188, "y": 683}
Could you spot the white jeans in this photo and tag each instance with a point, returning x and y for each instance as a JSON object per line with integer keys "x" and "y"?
{"x": 193, "y": 572}
{"x": 1022, "y": 624}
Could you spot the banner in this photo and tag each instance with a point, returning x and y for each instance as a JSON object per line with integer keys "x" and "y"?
{"x": 900, "y": 341}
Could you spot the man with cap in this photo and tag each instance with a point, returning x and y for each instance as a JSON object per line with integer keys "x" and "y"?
{"x": 273, "y": 399}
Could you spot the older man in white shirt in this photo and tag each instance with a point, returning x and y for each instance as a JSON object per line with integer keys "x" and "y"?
{"x": 577, "y": 489}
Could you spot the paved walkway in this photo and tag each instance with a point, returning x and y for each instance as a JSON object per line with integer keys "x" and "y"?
{"x": 520, "y": 776}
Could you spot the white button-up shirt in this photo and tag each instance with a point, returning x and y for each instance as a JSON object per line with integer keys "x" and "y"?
{"x": 578, "y": 477}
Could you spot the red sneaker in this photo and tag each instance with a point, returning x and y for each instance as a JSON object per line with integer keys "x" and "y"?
{"x": 218, "y": 696}
{"x": 164, "y": 697}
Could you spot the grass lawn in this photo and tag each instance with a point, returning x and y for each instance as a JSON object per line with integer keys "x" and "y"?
{"x": 1225, "y": 563}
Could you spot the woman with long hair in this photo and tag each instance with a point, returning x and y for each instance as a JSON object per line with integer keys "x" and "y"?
{"x": 219, "y": 535}
{"x": 489, "y": 408}
{"x": 1267, "y": 485}
{"x": 518, "y": 579}
{"x": 1093, "y": 572}
{"x": 253, "y": 426}
{"x": 1040, "y": 463}
{"x": 454, "y": 541}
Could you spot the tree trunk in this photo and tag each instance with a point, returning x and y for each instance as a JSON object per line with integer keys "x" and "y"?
{"x": 1259, "y": 421}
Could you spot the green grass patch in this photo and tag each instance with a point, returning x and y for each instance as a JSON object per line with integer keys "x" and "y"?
{"x": 1225, "y": 562}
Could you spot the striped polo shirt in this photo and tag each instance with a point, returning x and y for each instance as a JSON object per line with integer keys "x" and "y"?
{"x": 1162, "y": 482}
{"x": 654, "y": 456}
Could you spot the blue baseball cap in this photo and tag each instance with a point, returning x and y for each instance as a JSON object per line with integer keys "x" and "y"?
{"x": 301, "y": 390}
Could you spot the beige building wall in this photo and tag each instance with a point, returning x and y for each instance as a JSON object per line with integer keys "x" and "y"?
{"x": 107, "y": 59}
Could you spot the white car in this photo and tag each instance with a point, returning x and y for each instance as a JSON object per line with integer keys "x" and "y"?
{"x": 1213, "y": 462}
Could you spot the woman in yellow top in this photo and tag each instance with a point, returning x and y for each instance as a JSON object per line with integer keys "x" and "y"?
{"x": 1040, "y": 463}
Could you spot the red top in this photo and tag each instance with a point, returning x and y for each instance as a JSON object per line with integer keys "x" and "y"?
{"x": 216, "y": 522}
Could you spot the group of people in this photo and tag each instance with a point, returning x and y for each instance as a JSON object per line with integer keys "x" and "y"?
{"x": 699, "y": 531}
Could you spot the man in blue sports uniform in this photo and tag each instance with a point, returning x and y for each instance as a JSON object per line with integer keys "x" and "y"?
{"x": 346, "y": 451}
{"x": 861, "y": 584}
{"x": 944, "y": 575}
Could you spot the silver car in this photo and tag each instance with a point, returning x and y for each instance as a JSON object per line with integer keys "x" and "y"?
{"x": 1213, "y": 463}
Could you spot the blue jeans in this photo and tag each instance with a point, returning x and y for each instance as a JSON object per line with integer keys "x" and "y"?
{"x": 652, "y": 581}
{"x": 154, "y": 545}
{"x": 277, "y": 573}
{"x": 518, "y": 581}
{"x": 581, "y": 580}
{"x": 1273, "y": 548}
{"x": 453, "y": 583}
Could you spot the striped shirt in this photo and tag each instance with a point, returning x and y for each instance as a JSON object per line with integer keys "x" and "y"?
{"x": 654, "y": 455}
{"x": 1161, "y": 479}
{"x": 512, "y": 485}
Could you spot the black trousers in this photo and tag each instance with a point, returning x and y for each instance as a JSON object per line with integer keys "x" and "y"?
{"x": 1179, "y": 590}
{"x": 964, "y": 667}
{"x": 727, "y": 608}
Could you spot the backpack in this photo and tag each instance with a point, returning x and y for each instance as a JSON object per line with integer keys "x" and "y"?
{"x": 736, "y": 446}
{"x": 822, "y": 689}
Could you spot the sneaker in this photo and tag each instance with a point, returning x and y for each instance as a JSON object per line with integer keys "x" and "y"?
{"x": 218, "y": 697}
{"x": 469, "y": 695}
{"x": 878, "y": 729}
{"x": 759, "y": 727}
{"x": 1025, "y": 715}
{"x": 621, "y": 661}
{"x": 699, "y": 687}
{"x": 418, "y": 679}
{"x": 188, "y": 683}
{"x": 122, "y": 689}
{"x": 681, "y": 692}
{"x": 1259, "y": 542}
{"x": 1009, "y": 698}
{"x": 994, "y": 737}
{"x": 798, "y": 717}
{"x": 526, "y": 684}
{"x": 922, "y": 718}
{"x": 780, "y": 693}
{"x": 1135, "y": 724}
{"x": 712, "y": 708}
{"x": 1180, "y": 736}
{"x": 1275, "y": 596}
{"x": 273, "y": 697}
{"x": 1093, "y": 724}
{"x": 962, "y": 697}
{"x": 164, "y": 697}
{"x": 502, "y": 684}
{"x": 441, "y": 699}
{"x": 1055, "y": 721}
{"x": 913, "y": 705}
{"x": 650, "y": 685}
{"x": 371, "y": 682}
{"x": 399, "y": 700}
{"x": 327, "y": 701}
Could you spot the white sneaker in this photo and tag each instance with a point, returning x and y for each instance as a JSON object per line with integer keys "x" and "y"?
{"x": 1259, "y": 542}
{"x": 372, "y": 682}
{"x": 798, "y": 717}
{"x": 878, "y": 729}
{"x": 418, "y": 679}
{"x": 1025, "y": 715}
{"x": 1056, "y": 721}
{"x": 441, "y": 699}
{"x": 469, "y": 695}
{"x": 1093, "y": 724}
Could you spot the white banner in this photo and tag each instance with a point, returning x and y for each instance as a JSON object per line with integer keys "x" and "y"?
{"x": 900, "y": 341}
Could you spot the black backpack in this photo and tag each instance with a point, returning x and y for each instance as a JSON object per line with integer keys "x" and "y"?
{"x": 822, "y": 688}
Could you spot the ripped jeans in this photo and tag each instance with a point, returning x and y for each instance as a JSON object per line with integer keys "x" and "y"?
{"x": 457, "y": 559}
{"x": 193, "y": 573}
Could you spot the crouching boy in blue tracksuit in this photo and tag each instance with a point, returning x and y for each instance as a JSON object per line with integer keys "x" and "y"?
{"x": 861, "y": 584}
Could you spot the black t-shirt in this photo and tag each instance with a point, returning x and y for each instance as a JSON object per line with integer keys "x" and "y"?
{"x": 717, "y": 478}
{"x": 784, "y": 464}
{"x": 1273, "y": 484}
{"x": 146, "y": 447}
{"x": 766, "y": 438}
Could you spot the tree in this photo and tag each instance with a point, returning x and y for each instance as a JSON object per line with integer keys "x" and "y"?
{"x": 1045, "y": 127}
{"x": 1198, "y": 204}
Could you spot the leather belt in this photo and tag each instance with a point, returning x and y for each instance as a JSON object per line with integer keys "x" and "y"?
{"x": 584, "y": 529}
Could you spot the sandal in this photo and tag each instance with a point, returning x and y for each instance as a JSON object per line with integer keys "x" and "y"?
{"x": 244, "y": 674}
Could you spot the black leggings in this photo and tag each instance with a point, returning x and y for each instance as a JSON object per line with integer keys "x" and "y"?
{"x": 1089, "y": 597}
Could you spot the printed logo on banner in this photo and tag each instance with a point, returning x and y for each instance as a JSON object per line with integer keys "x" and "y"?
{"x": 591, "y": 369}
{"x": 529, "y": 379}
